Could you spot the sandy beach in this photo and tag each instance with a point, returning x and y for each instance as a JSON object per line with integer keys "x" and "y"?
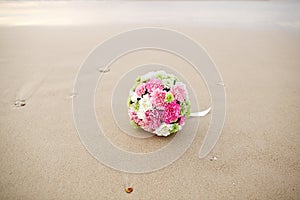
{"x": 257, "y": 155}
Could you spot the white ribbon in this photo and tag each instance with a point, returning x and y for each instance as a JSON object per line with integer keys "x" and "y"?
{"x": 201, "y": 113}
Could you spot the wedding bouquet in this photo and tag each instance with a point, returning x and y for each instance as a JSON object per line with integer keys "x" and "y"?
{"x": 158, "y": 103}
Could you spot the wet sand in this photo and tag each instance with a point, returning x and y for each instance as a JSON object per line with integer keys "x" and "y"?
{"x": 257, "y": 155}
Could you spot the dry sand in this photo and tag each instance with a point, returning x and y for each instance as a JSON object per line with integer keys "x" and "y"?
{"x": 41, "y": 156}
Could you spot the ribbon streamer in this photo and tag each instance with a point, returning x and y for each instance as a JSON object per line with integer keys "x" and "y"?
{"x": 201, "y": 113}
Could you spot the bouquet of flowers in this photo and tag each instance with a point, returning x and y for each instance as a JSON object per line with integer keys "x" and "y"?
{"x": 158, "y": 103}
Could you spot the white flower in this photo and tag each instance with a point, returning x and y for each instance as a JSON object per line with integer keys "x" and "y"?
{"x": 133, "y": 96}
{"x": 180, "y": 127}
{"x": 161, "y": 73}
{"x": 145, "y": 104}
{"x": 141, "y": 114}
{"x": 163, "y": 130}
{"x": 147, "y": 76}
{"x": 168, "y": 82}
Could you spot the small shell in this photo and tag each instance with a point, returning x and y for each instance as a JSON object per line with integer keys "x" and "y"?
{"x": 214, "y": 158}
{"x": 73, "y": 94}
{"x": 128, "y": 189}
{"x": 20, "y": 103}
{"x": 104, "y": 70}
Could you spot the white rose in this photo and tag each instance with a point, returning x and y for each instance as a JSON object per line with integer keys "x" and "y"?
{"x": 163, "y": 130}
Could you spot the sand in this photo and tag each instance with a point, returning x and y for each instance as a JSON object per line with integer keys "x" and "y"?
{"x": 257, "y": 155}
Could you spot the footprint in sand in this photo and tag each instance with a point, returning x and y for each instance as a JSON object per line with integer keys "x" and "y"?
{"x": 27, "y": 90}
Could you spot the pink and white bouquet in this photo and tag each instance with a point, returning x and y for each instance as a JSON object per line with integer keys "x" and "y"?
{"x": 158, "y": 103}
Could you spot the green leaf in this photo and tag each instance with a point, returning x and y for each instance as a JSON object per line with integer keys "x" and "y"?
{"x": 174, "y": 128}
{"x": 169, "y": 97}
{"x": 129, "y": 102}
{"x": 133, "y": 124}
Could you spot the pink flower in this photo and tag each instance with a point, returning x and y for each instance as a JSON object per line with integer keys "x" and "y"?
{"x": 181, "y": 120}
{"x": 141, "y": 123}
{"x": 154, "y": 84}
{"x": 141, "y": 89}
{"x": 152, "y": 120}
{"x": 172, "y": 112}
{"x": 158, "y": 98}
{"x": 133, "y": 116}
{"x": 179, "y": 92}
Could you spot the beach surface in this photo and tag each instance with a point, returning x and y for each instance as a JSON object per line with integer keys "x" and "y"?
{"x": 255, "y": 47}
